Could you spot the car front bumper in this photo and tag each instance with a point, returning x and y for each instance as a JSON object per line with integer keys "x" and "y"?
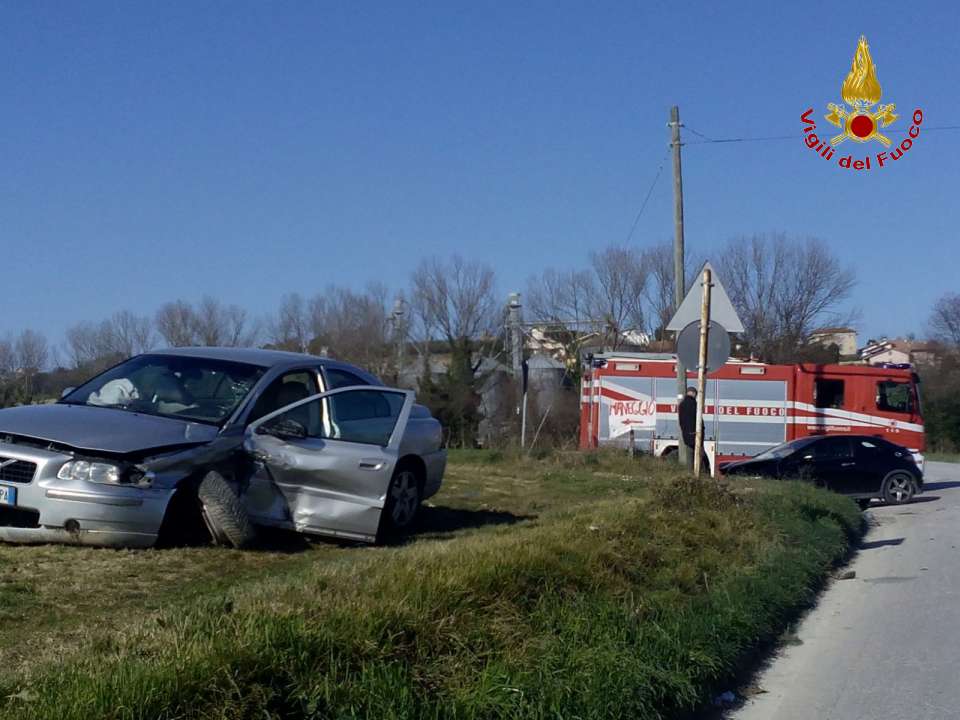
{"x": 48, "y": 509}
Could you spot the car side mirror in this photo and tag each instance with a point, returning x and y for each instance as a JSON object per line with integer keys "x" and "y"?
{"x": 283, "y": 428}
{"x": 66, "y": 391}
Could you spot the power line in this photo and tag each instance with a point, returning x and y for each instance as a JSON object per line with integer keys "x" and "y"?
{"x": 646, "y": 199}
{"x": 708, "y": 140}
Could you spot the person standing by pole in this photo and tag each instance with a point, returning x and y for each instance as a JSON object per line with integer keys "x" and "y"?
{"x": 687, "y": 416}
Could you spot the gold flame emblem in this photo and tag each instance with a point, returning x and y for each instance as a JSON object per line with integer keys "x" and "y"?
{"x": 861, "y": 91}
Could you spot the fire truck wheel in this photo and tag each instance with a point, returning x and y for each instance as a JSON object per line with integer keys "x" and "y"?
{"x": 898, "y": 488}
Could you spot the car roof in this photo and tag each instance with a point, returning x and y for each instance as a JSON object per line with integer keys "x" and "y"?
{"x": 259, "y": 356}
{"x": 857, "y": 436}
{"x": 854, "y": 438}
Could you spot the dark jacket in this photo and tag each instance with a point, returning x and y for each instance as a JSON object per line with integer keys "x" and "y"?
{"x": 687, "y": 414}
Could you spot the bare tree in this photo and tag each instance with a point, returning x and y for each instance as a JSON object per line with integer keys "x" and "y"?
{"x": 561, "y": 298}
{"x": 8, "y": 357}
{"x": 130, "y": 334}
{"x": 31, "y": 351}
{"x": 8, "y": 367}
{"x": 219, "y": 325}
{"x": 30, "y": 357}
{"x": 95, "y": 346}
{"x": 783, "y": 289}
{"x": 945, "y": 319}
{"x": 353, "y": 326}
{"x": 618, "y": 299}
{"x": 658, "y": 261}
{"x": 178, "y": 324}
{"x": 290, "y": 329}
{"x": 455, "y": 301}
{"x": 86, "y": 343}
{"x": 562, "y": 302}
{"x": 607, "y": 298}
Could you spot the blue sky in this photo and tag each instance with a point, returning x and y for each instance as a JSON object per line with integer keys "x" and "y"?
{"x": 153, "y": 151}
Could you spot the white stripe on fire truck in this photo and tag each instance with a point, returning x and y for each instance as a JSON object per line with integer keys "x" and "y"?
{"x": 861, "y": 418}
{"x": 819, "y": 416}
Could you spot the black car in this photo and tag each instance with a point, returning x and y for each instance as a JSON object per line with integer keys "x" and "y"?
{"x": 860, "y": 466}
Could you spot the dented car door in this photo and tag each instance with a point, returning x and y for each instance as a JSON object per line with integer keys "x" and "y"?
{"x": 324, "y": 464}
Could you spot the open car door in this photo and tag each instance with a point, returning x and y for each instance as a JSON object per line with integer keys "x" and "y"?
{"x": 324, "y": 464}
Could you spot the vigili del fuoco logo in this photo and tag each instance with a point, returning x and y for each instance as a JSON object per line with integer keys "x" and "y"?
{"x": 861, "y": 123}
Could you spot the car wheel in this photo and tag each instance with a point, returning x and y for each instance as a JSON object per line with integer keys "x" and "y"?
{"x": 403, "y": 500}
{"x": 223, "y": 512}
{"x": 898, "y": 488}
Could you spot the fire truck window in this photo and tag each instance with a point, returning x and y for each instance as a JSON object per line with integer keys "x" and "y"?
{"x": 828, "y": 393}
{"x": 894, "y": 396}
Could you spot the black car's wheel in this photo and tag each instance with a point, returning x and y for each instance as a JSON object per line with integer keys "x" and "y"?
{"x": 899, "y": 488}
{"x": 403, "y": 501}
{"x": 223, "y": 512}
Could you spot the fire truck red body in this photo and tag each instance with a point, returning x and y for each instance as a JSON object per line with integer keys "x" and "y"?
{"x": 749, "y": 407}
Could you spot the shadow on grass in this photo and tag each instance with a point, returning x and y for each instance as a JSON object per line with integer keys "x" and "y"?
{"x": 440, "y": 520}
{"x": 277, "y": 540}
{"x": 433, "y": 522}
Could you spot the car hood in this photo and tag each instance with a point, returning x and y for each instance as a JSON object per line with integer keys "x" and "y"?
{"x": 101, "y": 429}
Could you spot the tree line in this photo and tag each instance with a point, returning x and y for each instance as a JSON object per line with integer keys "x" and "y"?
{"x": 784, "y": 287}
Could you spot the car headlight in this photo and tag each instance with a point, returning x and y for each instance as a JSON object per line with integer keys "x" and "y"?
{"x": 98, "y": 472}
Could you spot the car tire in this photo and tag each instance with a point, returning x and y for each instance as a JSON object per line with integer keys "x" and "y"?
{"x": 223, "y": 512}
{"x": 403, "y": 501}
{"x": 899, "y": 488}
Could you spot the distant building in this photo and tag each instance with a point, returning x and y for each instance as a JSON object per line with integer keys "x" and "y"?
{"x": 557, "y": 342}
{"x": 843, "y": 337}
{"x": 899, "y": 351}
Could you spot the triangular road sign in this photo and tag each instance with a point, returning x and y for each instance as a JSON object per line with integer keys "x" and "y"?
{"x": 721, "y": 309}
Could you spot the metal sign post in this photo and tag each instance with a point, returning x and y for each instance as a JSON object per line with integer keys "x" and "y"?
{"x": 702, "y": 369}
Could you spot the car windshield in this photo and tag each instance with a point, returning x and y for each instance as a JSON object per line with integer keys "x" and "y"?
{"x": 189, "y": 388}
{"x": 778, "y": 452}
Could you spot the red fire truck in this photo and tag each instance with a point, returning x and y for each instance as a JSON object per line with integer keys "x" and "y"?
{"x": 748, "y": 406}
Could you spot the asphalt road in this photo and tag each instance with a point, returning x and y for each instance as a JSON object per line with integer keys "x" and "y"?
{"x": 885, "y": 644}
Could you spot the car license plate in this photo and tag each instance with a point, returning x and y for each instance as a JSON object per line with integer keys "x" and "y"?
{"x": 8, "y": 495}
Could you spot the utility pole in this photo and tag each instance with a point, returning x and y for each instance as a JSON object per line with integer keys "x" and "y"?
{"x": 679, "y": 281}
{"x": 399, "y": 333}
{"x": 516, "y": 351}
{"x": 516, "y": 334}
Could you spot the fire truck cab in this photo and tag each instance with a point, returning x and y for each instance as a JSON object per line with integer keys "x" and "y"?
{"x": 748, "y": 406}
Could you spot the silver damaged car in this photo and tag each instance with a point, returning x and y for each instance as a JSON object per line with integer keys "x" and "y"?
{"x": 168, "y": 443}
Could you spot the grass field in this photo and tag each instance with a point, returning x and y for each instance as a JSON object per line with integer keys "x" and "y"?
{"x": 576, "y": 585}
